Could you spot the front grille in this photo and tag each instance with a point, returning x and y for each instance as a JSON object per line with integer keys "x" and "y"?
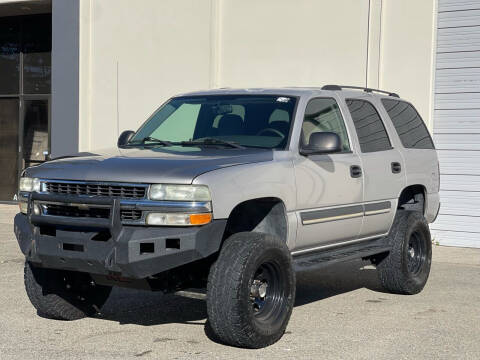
{"x": 72, "y": 188}
{"x": 91, "y": 212}
{"x": 74, "y": 211}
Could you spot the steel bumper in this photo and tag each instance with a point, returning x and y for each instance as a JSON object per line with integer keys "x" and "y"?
{"x": 106, "y": 247}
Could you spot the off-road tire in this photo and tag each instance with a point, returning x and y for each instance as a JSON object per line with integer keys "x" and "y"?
{"x": 237, "y": 318}
{"x": 63, "y": 295}
{"x": 403, "y": 270}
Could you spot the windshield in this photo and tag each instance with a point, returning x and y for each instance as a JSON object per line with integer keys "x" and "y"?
{"x": 221, "y": 120}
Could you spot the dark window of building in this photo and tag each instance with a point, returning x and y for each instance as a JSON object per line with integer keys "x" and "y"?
{"x": 370, "y": 129}
{"x": 10, "y": 47}
{"x": 323, "y": 115}
{"x": 409, "y": 125}
{"x": 25, "y": 52}
{"x": 37, "y": 43}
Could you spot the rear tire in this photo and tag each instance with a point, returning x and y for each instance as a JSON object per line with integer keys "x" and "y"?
{"x": 251, "y": 291}
{"x": 63, "y": 295}
{"x": 406, "y": 268}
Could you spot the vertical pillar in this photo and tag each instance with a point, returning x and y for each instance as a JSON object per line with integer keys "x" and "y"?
{"x": 65, "y": 81}
{"x": 374, "y": 43}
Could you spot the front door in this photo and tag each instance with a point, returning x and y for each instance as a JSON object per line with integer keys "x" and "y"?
{"x": 329, "y": 194}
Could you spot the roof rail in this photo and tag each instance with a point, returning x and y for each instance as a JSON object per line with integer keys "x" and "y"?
{"x": 366, "y": 89}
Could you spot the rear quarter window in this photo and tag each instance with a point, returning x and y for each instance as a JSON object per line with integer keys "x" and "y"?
{"x": 409, "y": 125}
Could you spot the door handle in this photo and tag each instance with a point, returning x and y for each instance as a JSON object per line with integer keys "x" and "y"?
{"x": 396, "y": 168}
{"x": 355, "y": 171}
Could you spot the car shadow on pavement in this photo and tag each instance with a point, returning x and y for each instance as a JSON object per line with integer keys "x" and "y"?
{"x": 341, "y": 278}
{"x": 127, "y": 306}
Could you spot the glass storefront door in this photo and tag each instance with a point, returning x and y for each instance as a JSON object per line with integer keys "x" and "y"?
{"x": 35, "y": 132}
{"x": 25, "y": 87}
{"x": 9, "y": 112}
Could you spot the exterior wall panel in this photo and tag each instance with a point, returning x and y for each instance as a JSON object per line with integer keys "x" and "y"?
{"x": 457, "y": 122}
{"x": 456, "y": 5}
{"x": 458, "y": 60}
{"x": 458, "y": 39}
{"x": 453, "y": 19}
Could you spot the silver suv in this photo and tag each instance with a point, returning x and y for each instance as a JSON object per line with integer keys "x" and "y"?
{"x": 233, "y": 191}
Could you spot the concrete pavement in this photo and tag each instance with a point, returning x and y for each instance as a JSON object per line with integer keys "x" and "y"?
{"x": 340, "y": 313}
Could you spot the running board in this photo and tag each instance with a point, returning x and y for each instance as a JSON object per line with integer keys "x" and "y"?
{"x": 330, "y": 256}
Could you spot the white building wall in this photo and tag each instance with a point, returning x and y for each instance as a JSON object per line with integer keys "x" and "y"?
{"x": 407, "y": 55}
{"x": 135, "y": 55}
{"x": 300, "y": 43}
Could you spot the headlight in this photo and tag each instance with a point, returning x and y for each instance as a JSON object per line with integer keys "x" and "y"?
{"x": 179, "y": 192}
{"x": 29, "y": 184}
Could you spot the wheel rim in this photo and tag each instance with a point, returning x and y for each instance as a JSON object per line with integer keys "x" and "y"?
{"x": 416, "y": 253}
{"x": 268, "y": 292}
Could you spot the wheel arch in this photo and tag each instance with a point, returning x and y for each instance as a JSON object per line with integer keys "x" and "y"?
{"x": 413, "y": 197}
{"x": 265, "y": 215}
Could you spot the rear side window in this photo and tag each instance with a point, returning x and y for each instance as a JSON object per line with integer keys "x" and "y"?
{"x": 370, "y": 129}
{"x": 409, "y": 125}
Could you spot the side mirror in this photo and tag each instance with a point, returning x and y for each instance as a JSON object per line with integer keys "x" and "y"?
{"x": 125, "y": 137}
{"x": 322, "y": 143}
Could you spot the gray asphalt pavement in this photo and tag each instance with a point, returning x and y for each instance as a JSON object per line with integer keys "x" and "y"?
{"x": 340, "y": 313}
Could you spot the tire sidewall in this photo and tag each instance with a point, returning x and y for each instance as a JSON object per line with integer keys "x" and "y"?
{"x": 275, "y": 255}
{"x": 229, "y": 305}
{"x": 413, "y": 222}
{"x": 416, "y": 224}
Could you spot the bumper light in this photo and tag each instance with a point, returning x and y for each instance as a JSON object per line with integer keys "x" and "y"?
{"x": 175, "y": 219}
{"x": 23, "y": 207}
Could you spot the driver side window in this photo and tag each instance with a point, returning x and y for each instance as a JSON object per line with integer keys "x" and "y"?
{"x": 323, "y": 115}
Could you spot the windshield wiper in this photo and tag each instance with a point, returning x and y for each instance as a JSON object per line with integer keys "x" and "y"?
{"x": 153, "y": 141}
{"x": 212, "y": 141}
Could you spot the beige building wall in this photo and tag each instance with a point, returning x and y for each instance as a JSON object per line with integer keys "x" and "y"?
{"x": 135, "y": 55}
{"x": 407, "y": 52}
{"x": 293, "y": 43}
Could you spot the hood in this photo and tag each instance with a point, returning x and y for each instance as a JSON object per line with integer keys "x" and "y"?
{"x": 176, "y": 165}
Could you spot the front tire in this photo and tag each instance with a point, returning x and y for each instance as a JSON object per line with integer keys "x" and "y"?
{"x": 251, "y": 291}
{"x": 406, "y": 268}
{"x": 63, "y": 295}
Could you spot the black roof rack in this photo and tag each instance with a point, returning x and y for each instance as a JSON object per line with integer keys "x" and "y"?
{"x": 366, "y": 89}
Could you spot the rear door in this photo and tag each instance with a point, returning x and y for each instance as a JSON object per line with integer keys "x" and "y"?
{"x": 383, "y": 167}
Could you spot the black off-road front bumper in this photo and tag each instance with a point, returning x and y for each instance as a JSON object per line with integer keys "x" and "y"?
{"x": 106, "y": 246}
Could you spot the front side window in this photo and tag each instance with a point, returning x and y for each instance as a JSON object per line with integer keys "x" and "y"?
{"x": 247, "y": 120}
{"x": 409, "y": 125}
{"x": 323, "y": 115}
{"x": 370, "y": 129}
